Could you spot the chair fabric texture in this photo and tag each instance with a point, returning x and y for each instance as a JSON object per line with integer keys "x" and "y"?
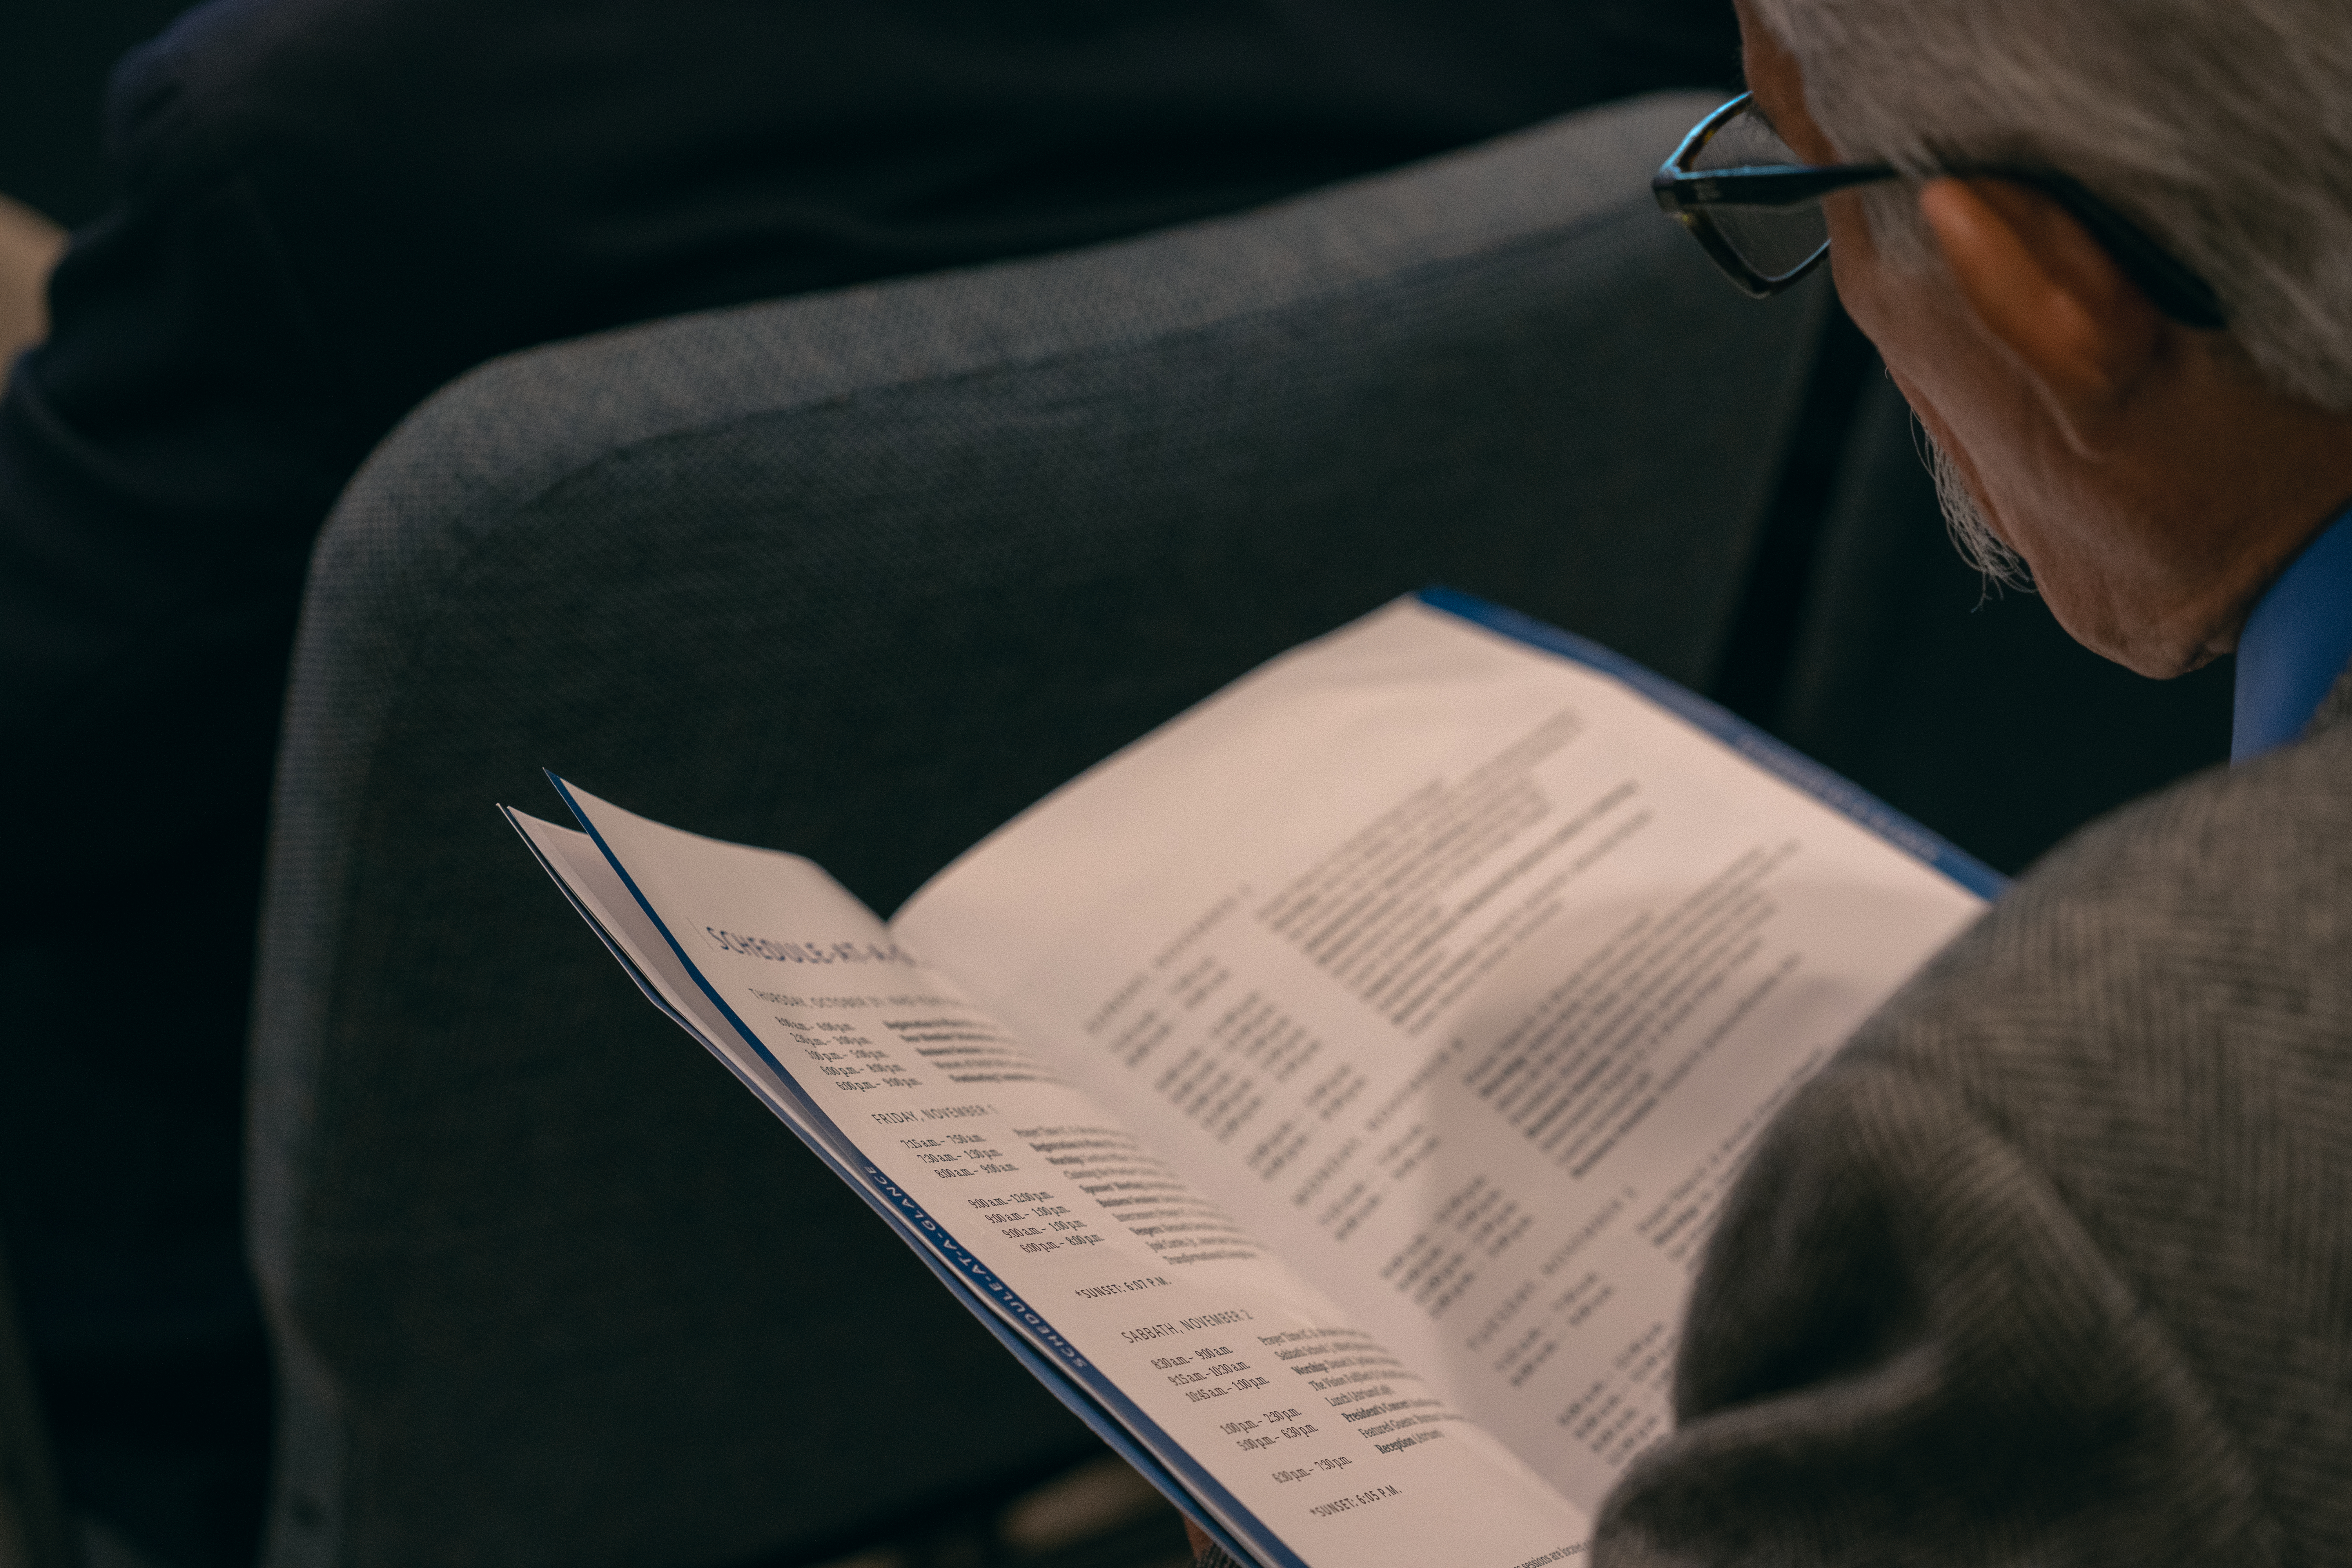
{"x": 862, "y": 574}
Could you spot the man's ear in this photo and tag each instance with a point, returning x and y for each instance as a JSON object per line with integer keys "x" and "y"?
{"x": 2085, "y": 333}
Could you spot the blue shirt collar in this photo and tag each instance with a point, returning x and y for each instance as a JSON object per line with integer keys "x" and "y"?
{"x": 2296, "y": 644}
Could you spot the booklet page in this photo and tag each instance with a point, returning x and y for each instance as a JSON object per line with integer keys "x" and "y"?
{"x": 1463, "y": 975}
{"x": 1301, "y": 1434}
{"x": 598, "y": 893}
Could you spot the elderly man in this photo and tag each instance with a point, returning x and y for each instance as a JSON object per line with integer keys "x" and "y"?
{"x": 2053, "y": 1264}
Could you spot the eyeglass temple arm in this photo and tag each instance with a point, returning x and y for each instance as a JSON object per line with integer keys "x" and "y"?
{"x": 2174, "y": 289}
{"x": 1765, "y": 185}
{"x": 2171, "y": 286}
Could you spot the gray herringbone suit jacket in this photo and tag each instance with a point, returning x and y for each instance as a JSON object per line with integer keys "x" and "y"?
{"x": 2052, "y": 1265}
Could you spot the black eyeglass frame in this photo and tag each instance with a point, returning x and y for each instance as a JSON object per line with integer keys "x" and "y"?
{"x": 1685, "y": 193}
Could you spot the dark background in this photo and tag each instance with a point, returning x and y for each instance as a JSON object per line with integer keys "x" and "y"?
{"x": 54, "y": 57}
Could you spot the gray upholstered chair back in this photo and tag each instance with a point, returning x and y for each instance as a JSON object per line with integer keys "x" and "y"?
{"x": 863, "y": 575}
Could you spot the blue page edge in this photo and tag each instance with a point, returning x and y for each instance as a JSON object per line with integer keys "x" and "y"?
{"x": 1775, "y": 756}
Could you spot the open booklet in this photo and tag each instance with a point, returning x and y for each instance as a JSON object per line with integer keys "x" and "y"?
{"x": 1330, "y": 1094}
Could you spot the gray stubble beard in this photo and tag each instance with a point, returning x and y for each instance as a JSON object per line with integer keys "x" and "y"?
{"x": 1965, "y": 521}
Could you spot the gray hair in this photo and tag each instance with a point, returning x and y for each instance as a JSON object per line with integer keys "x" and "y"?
{"x": 2223, "y": 128}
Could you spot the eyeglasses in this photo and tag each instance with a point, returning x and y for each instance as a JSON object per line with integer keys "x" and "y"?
{"x": 1754, "y": 207}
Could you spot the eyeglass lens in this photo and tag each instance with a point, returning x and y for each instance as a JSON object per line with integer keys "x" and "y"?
{"x": 1774, "y": 241}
